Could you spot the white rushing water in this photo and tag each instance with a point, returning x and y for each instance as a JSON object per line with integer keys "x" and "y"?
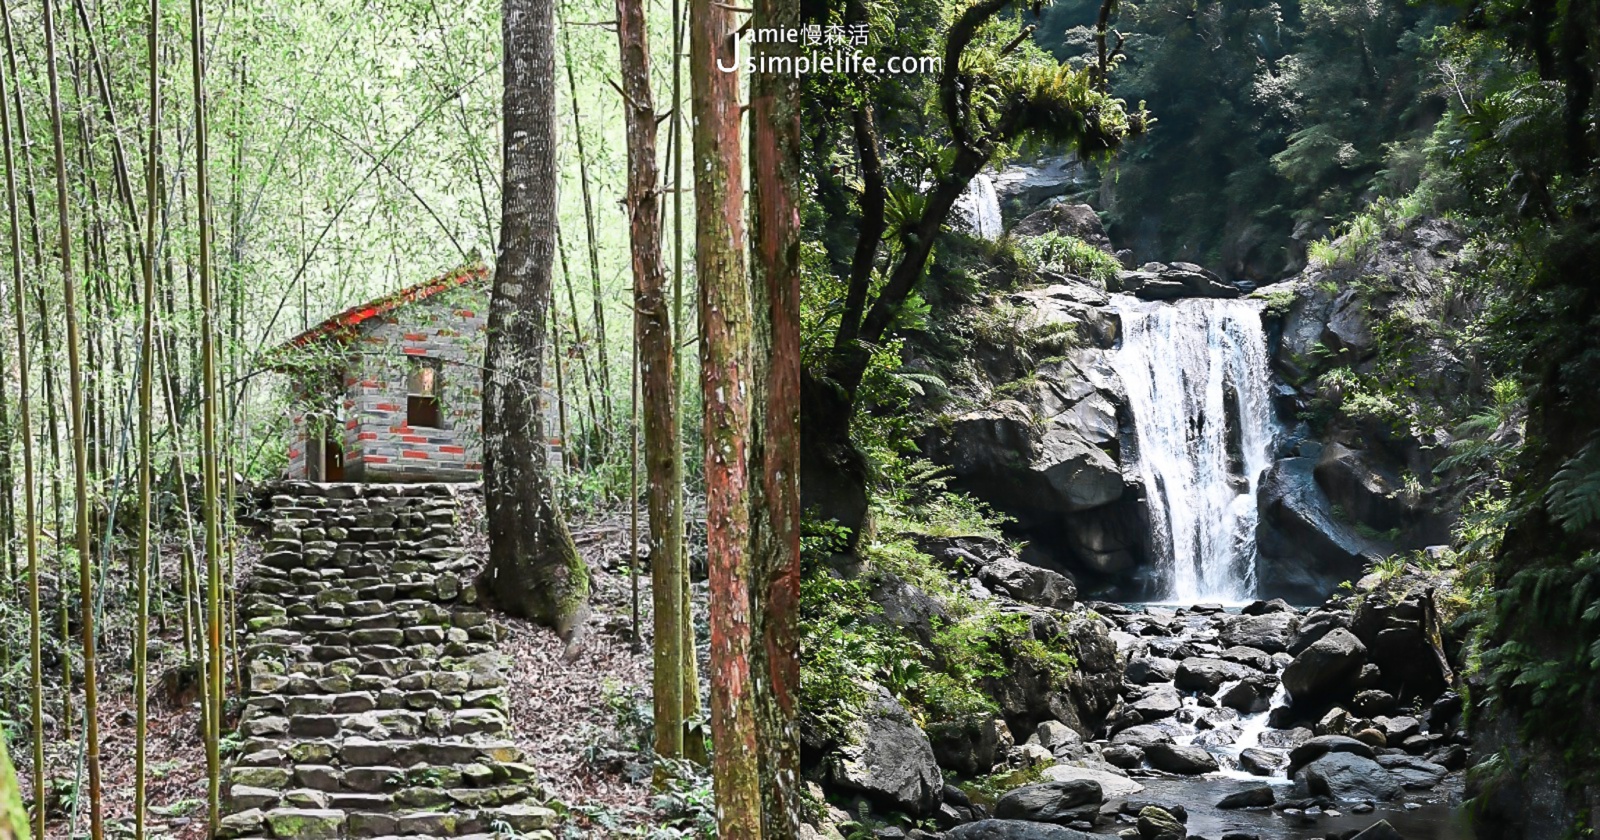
{"x": 980, "y": 205}
{"x": 1183, "y": 362}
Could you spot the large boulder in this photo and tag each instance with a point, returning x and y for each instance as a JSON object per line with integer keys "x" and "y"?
{"x": 1031, "y": 692}
{"x": 1030, "y": 584}
{"x": 906, "y": 606}
{"x": 1076, "y": 220}
{"x": 1056, "y": 802}
{"x": 1025, "y": 185}
{"x": 1363, "y": 488}
{"x": 1348, "y": 777}
{"x": 1166, "y": 281}
{"x": 1112, "y": 785}
{"x": 1398, "y": 622}
{"x": 1157, "y": 823}
{"x": 1185, "y": 761}
{"x": 970, "y": 747}
{"x": 1315, "y": 748}
{"x": 1205, "y": 674}
{"x": 1269, "y": 633}
{"x": 1316, "y": 624}
{"x": 1304, "y": 550}
{"x": 1325, "y": 669}
{"x": 887, "y": 758}
{"x": 1412, "y": 772}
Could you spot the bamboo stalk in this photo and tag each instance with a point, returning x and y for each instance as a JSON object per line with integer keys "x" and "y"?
{"x": 30, "y": 522}
{"x": 80, "y": 456}
{"x": 147, "y": 353}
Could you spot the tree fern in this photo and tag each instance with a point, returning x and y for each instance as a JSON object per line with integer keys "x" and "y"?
{"x": 1574, "y": 492}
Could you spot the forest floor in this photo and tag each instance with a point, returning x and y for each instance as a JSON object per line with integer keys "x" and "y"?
{"x": 580, "y": 712}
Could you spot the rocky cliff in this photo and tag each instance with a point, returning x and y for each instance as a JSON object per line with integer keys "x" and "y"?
{"x": 1369, "y": 379}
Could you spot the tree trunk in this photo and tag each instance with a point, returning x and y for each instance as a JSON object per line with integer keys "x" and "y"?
{"x": 30, "y": 512}
{"x": 210, "y": 455}
{"x": 775, "y": 555}
{"x": 534, "y": 569}
{"x": 147, "y": 372}
{"x": 80, "y": 456}
{"x": 725, "y": 382}
{"x": 658, "y": 366}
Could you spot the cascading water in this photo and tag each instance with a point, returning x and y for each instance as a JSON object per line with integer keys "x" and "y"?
{"x": 1196, "y": 374}
{"x": 980, "y": 206}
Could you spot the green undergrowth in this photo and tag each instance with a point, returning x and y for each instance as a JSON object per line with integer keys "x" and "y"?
{"x": 1054, "y": 251}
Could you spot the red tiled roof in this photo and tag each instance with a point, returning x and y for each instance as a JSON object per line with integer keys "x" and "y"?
{"x": 342, "y": 326}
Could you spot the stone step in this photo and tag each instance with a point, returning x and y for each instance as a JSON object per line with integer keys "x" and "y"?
{"x": 375, "y": 706}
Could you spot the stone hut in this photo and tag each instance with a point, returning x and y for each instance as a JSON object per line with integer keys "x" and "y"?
{"x": 391, "y": 390}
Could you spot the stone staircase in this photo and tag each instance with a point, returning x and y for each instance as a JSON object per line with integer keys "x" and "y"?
{"x": 375, "y": 703}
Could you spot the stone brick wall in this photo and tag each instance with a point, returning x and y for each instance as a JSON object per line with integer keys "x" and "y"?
{"x": 379, "y": 444}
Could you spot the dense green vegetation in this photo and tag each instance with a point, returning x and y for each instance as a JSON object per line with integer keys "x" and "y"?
{"x": 1274, "y": 120}
{"x": 1321, "y": 133}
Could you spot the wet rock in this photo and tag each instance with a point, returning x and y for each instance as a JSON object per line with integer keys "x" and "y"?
{"x": 1249, "y": 695}
{"x": 1286, "y": 739}
{"x": 1143, "y": 736}
{"x": 1321, "y": 745}
{"x": 1325, "y": 668}
{"x": 1253, "y": 796}
{"x": 1347, "y": 776}
{"x": 1144, "y": 670}
{"x": 1159, "y": 703}
{"x": 1259, "y": 762}
{"x": 1159, "y": 824}
{"x": 1268, "y": 632}
{"x": 1264, "y": 607}
{"x": 1412, "y": 772}
{"x": 1305, "y": 551}
{"x": 1054, "y": 802}
{"x": 1206, "y": 675}
{"x": 1126, "y": 756}
{"x": 1187, "y": 761}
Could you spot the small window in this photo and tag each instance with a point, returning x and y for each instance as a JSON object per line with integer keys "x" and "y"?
{"x": 423, "y": 386}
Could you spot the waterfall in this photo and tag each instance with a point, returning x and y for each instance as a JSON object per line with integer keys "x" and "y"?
{"x": 980, "y": 207}
{"x": 1196, "y": 374}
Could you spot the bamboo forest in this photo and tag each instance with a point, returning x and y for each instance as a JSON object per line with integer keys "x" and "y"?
{"x": 824, "y": 420}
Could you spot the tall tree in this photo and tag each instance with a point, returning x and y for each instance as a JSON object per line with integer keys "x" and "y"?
{"x": 534, "y": 569}
{"x": 80, "y": 457}
{"x": 775, "y": 456}
{"x": 725, "y": 386}
{"x": 658, "y": 365}
{"x": 989, "y": 96}
{"x": 210, "y": 455}
{"x": 147, "y": 370}
{"x": 30, "y": 515}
